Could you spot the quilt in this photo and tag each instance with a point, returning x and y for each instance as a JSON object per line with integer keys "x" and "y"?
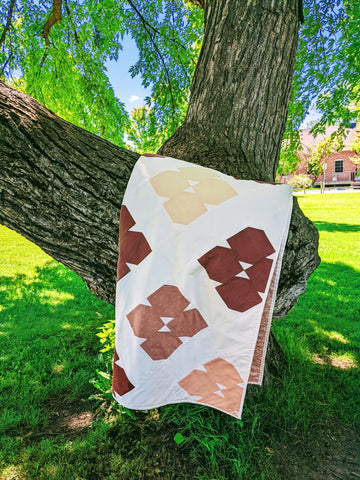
{"x": 199, "y": 262}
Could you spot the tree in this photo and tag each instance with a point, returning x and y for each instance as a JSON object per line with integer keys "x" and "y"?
{"x": 316, "y": 157}
{"x": 300, "y": 181}
{"x": 62, "y": 186}
{"x": 355, "y": 145}
{"x": 327, "y": 72}
{"x": 145, "y": 133}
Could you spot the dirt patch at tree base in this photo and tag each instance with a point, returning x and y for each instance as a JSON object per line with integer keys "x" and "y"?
{"x": 68, "y": 418}
{"x": 334, "y": 456}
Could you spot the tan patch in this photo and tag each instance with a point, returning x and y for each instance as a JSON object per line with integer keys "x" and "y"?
{"x": 184, "y": 208}
{"x": 214, "y": 192}
{"x": 198, "y": 173}
{"x": 188, "y": 190}
{"x": 169, "y": 183}
{"x": 58, "y": 369}
{"x": 218, "y": 387}
{"x": 79, "y": 421}
{"x": 343, "y": 362}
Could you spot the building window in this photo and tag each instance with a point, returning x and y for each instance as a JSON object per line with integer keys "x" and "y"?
{"x": 339, "y": 166}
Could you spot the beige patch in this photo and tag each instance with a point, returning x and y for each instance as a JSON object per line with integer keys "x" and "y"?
{"x": 185, "y": 206}
{"x": 214, "y": 192}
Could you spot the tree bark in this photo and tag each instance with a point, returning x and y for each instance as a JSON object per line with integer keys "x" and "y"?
{"x": 62, "y": 187}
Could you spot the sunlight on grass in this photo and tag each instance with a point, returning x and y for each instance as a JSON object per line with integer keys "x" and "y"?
{"x": 344, "y": 362}
{"x": 55, "y": 297}
{"x": 58, "y": 369}
{"x": 332, "y": 335}
{"x": 11, "y": 472}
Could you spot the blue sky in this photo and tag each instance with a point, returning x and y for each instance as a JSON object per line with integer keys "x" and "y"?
{"x": 128, "y": 90}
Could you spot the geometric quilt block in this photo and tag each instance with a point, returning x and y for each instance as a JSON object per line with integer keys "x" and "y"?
{"x": 164, "y": 321}
{"x": 218, "y": 384}
{"x": 240, "y": 286}
{"x": 189, "y": 190}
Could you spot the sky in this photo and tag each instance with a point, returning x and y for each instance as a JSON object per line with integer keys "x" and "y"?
{"x": 128, "y": 90}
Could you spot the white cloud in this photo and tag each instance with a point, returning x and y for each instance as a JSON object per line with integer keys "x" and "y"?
{"x": 134, "y": 98}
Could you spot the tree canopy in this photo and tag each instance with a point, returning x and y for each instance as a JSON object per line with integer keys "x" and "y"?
{"x": 57, "y": 52}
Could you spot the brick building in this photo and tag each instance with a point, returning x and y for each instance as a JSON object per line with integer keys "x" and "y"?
{"x": 340, "y": 170}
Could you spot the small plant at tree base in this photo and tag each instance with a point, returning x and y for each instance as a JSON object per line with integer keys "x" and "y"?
{"x": 301, "y": 181}
{"x": 102, "y": 382}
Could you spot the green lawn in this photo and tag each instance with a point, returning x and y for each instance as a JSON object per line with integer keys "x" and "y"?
{"x": 55, "y": 425}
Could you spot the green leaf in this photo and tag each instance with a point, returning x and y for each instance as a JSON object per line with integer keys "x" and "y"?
{"x": 179, "y": 438}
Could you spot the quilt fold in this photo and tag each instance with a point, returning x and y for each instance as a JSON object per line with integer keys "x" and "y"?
{"x": 199, "y": 262}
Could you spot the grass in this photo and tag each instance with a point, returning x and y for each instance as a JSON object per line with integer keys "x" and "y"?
{"x": 53, "y": 425}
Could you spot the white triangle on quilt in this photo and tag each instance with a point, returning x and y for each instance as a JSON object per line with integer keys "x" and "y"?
{"x": 210, "y": 207}
{"x": 245, "y": 265}
{"x": 220, "y": 385}
{"x": 166, "y": 320}
{"x": 222, "y": 242}
{"x": 190, "y": 190}
{"x": 164, "y": 329}
{"x": 119, "y": 363}
{"x": 243, "y": 274}
{"x": 219, "y": 392}
{"x": 184, "y": 339}
{"x": 193, "y": 182}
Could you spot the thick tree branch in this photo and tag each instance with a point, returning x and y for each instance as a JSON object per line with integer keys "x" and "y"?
{"x": 62, "y": 188}
{"x": 8, "y": 22}
{"x": 55, "y": 17}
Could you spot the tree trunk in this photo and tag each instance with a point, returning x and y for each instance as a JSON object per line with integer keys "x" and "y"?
{"x": 238, "y": 108}
{"x": 62, "y": 187}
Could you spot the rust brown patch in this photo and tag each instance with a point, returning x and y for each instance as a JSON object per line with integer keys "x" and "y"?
{"x": 152, "y": 155}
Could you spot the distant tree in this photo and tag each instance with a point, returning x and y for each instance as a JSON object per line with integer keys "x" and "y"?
{"x": 301, "y": 181}
{"x": 317, "y": 156}
{"x": 289, "y": 159}
{"x": 327, "y": 71}
{"x": 144, "y": 132}
{"x": 355, "y": 145}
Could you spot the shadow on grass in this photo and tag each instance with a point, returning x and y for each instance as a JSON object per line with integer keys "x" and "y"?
{"x": 55, "y": 304}
{"x": 48, "y": 345}
{"x": 336, "y": 227}
{"x": 53, "y": 295}
{"x": 320, "y": 338}
{"x": 327, "y": 316}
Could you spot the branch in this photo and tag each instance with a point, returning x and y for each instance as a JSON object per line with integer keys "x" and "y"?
{"x": 155, "y": 30}
{"x": 198, "y": 3}
{"x": 70, "y": 19}
{"x": 8, "y": 23}
{"x": 61, "y": 187}
{"x": 146, "y": 25}
{"x": 55, "y": 17}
